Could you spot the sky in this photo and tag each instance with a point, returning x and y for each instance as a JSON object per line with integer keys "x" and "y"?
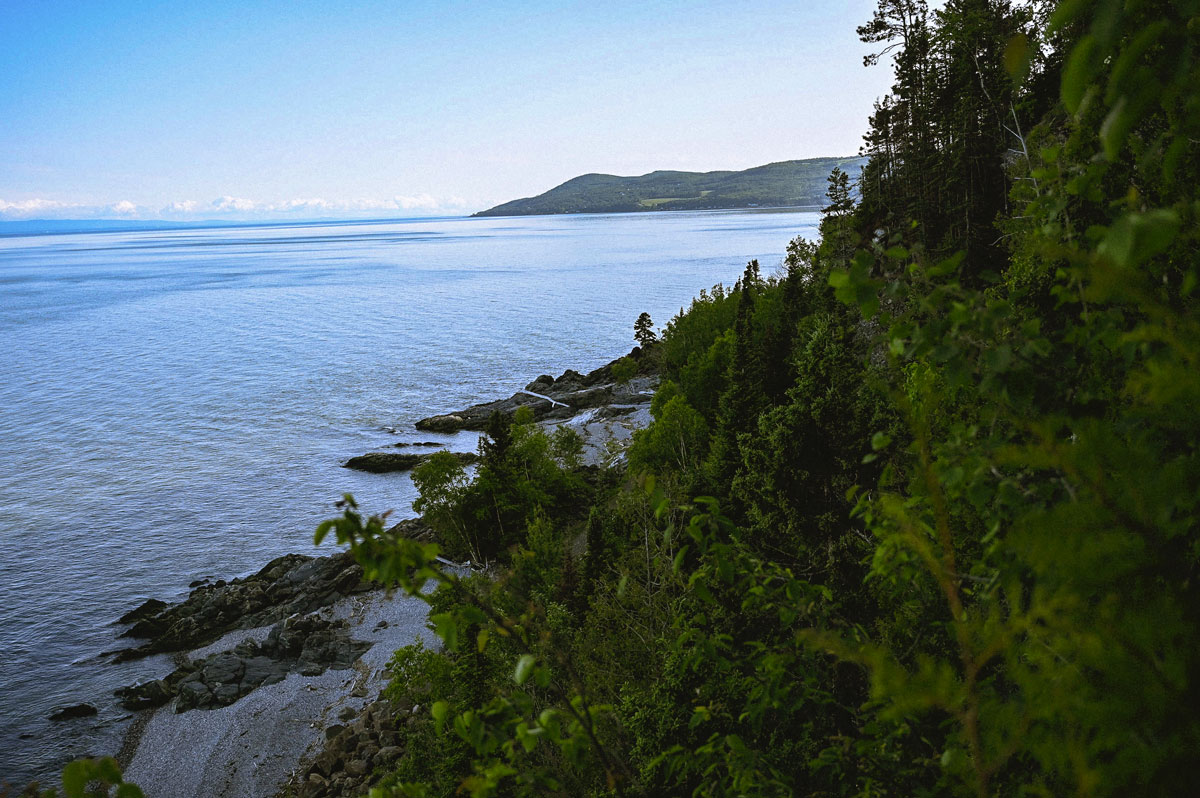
{"x": 346, "y": 109}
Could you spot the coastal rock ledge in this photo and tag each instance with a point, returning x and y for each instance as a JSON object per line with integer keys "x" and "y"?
{"x": 267, "y": 669}
{"x": 307, "y": 645}
{"x": 569, "y": 394}
{"x": 288, "y": 585}
{"x": 286, "y": 665}
{"x": 385, "y": 462}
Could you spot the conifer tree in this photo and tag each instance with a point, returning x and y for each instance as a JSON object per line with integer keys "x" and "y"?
{"x": 840, "y": 201}
{"x": 643, "y": 330}
{"x": 743, "y": 394}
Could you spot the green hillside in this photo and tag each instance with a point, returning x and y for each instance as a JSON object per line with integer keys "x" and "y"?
{"x": 775, "y": 185}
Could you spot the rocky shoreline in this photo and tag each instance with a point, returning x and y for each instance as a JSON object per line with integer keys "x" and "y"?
{"x": 277, "y": 675}
{"x": 386, "y": 462}
{"x": 552, "y": 399}
{"x": 224, "y": 733}
{"x": 293, "y": 584}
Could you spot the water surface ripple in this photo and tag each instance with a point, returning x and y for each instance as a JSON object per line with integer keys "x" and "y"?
{"x": 176, "y": 404}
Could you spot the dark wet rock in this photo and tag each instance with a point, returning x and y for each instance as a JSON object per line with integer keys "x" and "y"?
{"x": 444, "y": 423}
{"x": 192, "y": 692}
{"x": 414, "y": 529}
{"x": 404, "y": 444}
{"x": 307, "y": 645}
{"x": 576, "y": 391}
{"x": 144, "y": 610}
{"x": 354, "y": 753}
{"x": 614, "y": 411}
{"x": 261, "y": 670}
{"x": 390, "y": 753}
{"x": 384, "y": 462}
{"x": 224, "y": 668}
{"x": 288, "y": 585}
{"x": 73, "y": 711}
{"x": 148, "y": 695}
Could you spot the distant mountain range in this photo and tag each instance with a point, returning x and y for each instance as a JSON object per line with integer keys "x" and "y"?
{"x": 775, "y": 185}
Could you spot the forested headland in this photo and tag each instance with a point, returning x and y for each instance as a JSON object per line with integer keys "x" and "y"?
{"x": 774, "y": 185}
{"x": 917, "y": 513}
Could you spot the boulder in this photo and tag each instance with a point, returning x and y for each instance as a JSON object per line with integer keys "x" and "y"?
{"x": 354, "y": 753}
{"x": 308, "y": 645}
{"x": 72, "y": 712}
{"x": 445, "y": 423}
{"x": 384, "y": 462}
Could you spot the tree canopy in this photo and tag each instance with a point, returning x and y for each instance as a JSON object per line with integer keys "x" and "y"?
{"x": 918, "y": 513}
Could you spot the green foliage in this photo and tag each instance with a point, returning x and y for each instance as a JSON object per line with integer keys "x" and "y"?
{"x": 625, "y": 369}
{"x": 441, "y": 484}
{"x": 955, "y": 443}
{"x": 742, "y": 398}
{"x": 643, "y": 330}
{"x": 425, "y": 678}
{"x": 566, "y": 448}
{"x": 782, "y": 184}
{"x": 87, "y": 778}
{"x": 957, "y": 438}
{"x": 521, "y": 471}
{"x": 841, "y": 202}
{"x": 703, "y": 378}
{"x": 1045, "y": 504}
{"x": 677, "y": 441}
{"x": 808, "y": 450}
{"x": 515, "y": 734}
{"x": 690, "y": 333}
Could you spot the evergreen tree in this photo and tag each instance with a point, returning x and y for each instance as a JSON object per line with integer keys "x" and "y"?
{"x": 969, "y": 558}
{"x": 643, "y": 330}
{"x": 840, "y": 201}
{"x": 743, "y": 395}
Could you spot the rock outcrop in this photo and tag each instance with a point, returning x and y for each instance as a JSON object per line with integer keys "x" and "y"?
{"x": 384, "y": 462}
{"x": 365, "y": 743}
{"x": 414, "y": 529}
{"x": 288, "y": 585}
{"x": 306, "y": 645}
{"x": 73, "y": 711}
{"x": 572, "y": 392}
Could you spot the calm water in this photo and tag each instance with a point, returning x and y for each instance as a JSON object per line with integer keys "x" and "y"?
{"x": 177, "y": 404}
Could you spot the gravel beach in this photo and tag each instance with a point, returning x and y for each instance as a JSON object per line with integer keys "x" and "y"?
{"x": 248, "y": 749}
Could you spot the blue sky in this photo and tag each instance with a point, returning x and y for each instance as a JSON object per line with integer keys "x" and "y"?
{"x": 316, "y": 109}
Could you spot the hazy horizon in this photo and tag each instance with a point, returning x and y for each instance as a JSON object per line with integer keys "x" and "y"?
{"x": 140, "y": 111}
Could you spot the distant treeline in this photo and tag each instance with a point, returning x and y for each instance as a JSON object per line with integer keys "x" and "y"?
{"x": 775, "y": 185}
